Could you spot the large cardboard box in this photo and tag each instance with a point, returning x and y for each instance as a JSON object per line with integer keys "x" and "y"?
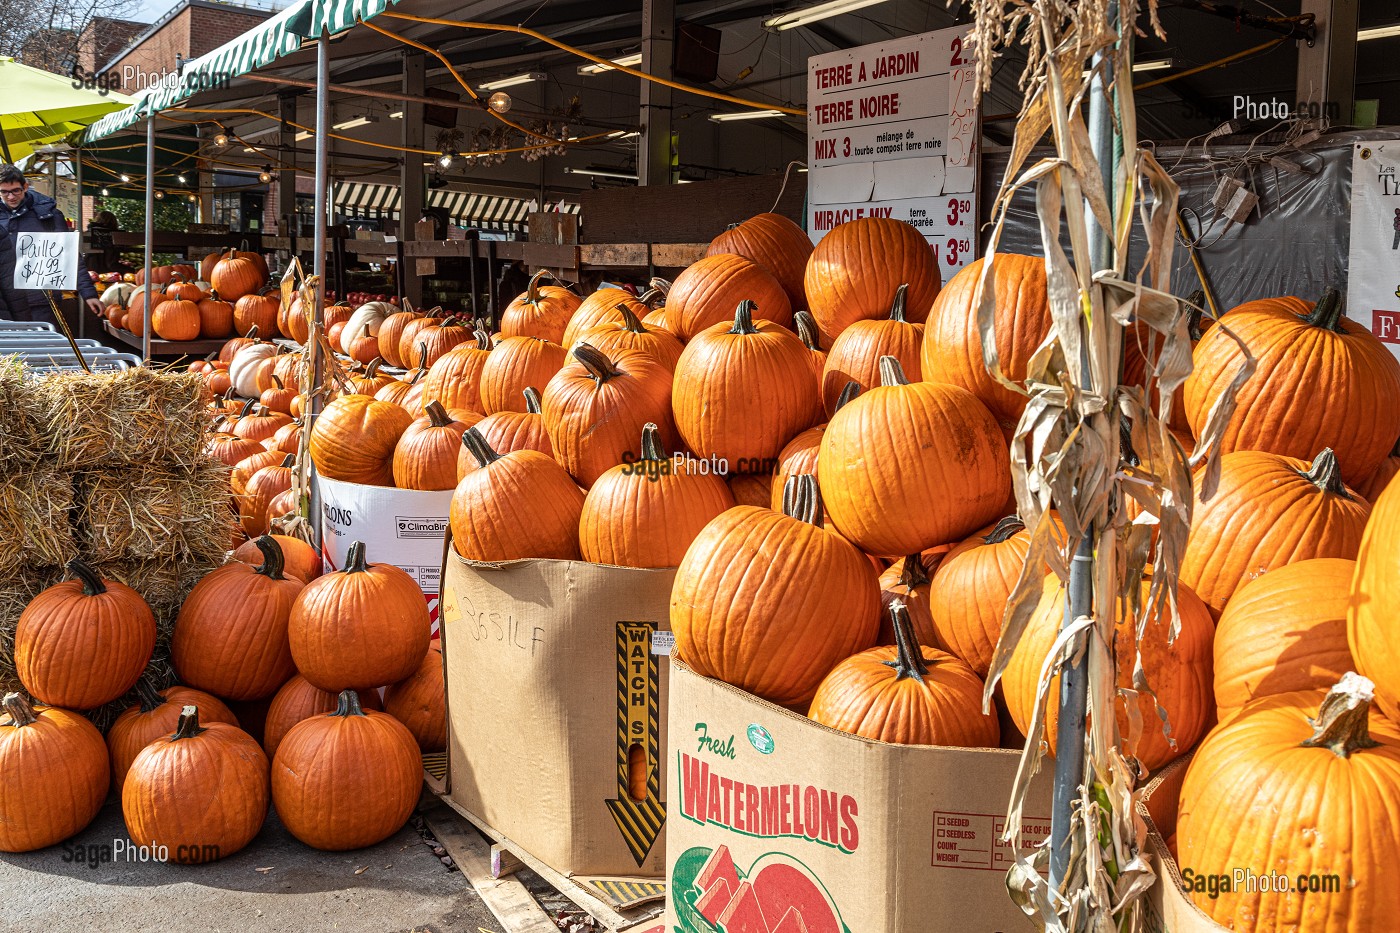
{"x": 551, "y": 682}
{"x": 403, "y": 527}
{"x": 779, "y": 824}
{"x": 1170, "y": 909}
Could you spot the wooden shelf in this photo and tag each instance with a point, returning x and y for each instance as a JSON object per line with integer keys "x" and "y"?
{"x": 195, "y": 349}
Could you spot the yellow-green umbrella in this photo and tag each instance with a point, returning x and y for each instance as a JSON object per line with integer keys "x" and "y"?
{"x": 51, "y": 107}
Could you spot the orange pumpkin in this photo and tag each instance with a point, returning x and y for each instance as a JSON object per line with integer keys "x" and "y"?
{"x": 647, "y": 510}
{"x": 515, "y": 364}
{"x": 749, "y": 586}
{"x": 1178, "y": 673}
{"x": 83, "y": 642}
{"x": 361, "y": 627}
{"x": 1375, "y": 484}
{"x": 855, "y": 269}
{"x": 542, "y": 311}
{"x": 506, "y": 431}
{"x": 889, "y": 458}
{"x": 411, "y": 346}
{"x": 156, "y": 715}
{"x": 390, "y": 333}
{"x": 707, "y": 292}
{"x": 354, "y": 439}
{"x": 56, "y": 774}
{"x": 515, "y": 505}
{"x": 236, "y": 275}
{"x": 247, "y": 468}
{"x": 255, "y": 505}
{"x": 774, "y": 243}
{"x": 419, "y": 701}
{"x": 906, "y": 694}
{"x": 595, "y": 408}
{"x": 742, "y": 391}
{"x": 751, "y": 488}
{"x": 426, "y": 455}
{"x": 438, "y": 338}
{"x": 628, "y": 333}
{"x": 855, "y": 355}
{"x": 455, "y": 379}
{"x": 1267, "y": 512}
{"x": 1283, "y": 632}
{"x": 251, "y": 310}
{"x": 1375, "y": 602}
{"x": 1322, "y": 380}
{"x": 299, "y": 559}
{"x": 230, "y": 637}
{"x": 215, "y": 318}
{"x": 603, "y": 307}
{"x": 300, "y": 699}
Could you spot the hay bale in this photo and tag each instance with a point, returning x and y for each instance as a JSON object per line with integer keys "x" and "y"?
{"x": 16, "y": 591}
{"x": 35, "y": 522}
{"x": 20, "y": 438}
{"x": 128, "y": 418}
{"x": 154, "y": 513}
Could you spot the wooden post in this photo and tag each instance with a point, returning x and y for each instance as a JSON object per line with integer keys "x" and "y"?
{"x": 287, "y": 175}
{"x": 658, "y": 42}
{"x": 411, "y": 171}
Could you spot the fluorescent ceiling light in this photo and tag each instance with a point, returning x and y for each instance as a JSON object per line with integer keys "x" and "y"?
{"x": 816, "y": 13}
{"x": 1378, "y": 32}
{"x": 1157, "y": 64}
{"x": 396, "y": 115}
{"x": 351, "y": 123}
{"x": 624, "y": 134}
{"x": 303, "y": 135}
{"x": 594, "y": 68}
{"x": 260, "y": 133}
{"x": 600, "y": 173}
{"x": 526, "y": 78}
{"x": 745, "y": 115}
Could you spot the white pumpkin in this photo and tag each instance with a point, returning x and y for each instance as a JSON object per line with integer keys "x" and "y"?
{"x": 247, "y": 366}
{"x": 371, "y": 314}
{"x": 118, "y": 294}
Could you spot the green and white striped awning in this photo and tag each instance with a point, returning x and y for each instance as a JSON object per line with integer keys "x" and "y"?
{"x": 488, "y": 212}
{"x": 265, "y": 43}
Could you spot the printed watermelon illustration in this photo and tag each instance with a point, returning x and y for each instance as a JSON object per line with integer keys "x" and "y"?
{"x": 778, "y": 894}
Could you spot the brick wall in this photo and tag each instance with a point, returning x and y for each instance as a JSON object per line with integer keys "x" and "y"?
{"x": 194, "y": 30}
{"x": 105, "y": 38}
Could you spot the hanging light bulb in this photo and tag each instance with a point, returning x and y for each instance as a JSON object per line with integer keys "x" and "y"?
{"x": 106, "y": 193}
{"x": 499, "y": 102}
{"x": 124, "y": 177}
{"x": 445, "y": 160}
{"x": 182, "y": 179}
{"x": 265, "y": 175}
{"x": 191, "y": 198}
{"x": 160, "y": 195}
{"x": 220, "y": 140}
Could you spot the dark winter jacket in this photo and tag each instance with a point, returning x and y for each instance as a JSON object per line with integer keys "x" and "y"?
{"x": 37, "y": 213}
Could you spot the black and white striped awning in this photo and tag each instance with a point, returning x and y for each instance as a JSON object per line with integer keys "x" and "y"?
{"x": 486, "y": 212}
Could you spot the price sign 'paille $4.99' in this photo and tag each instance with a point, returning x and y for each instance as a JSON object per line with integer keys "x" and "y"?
{"x": 892, "y": 132}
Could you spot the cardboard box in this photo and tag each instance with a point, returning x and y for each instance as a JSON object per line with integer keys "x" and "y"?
{"x": 551, "y": 680}
{"x": 782, "y": 825}
{"x": 403, "y": 527}
{"x": 1169, "y": 905}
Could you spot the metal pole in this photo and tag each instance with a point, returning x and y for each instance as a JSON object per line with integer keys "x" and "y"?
{"x": 150, "y": 231}
{"x": 1074, "y": 686}
{"x": 318, "y": 243}
{"x": 78, "y": 178}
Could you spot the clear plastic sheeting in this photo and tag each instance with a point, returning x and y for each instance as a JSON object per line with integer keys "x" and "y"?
{"x": 1294, "y": 241}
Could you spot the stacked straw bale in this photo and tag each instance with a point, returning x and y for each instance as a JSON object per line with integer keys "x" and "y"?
{"x": 108, "y": 467}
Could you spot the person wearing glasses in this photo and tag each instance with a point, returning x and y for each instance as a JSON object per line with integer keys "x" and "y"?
{"x": 26, "y": 211}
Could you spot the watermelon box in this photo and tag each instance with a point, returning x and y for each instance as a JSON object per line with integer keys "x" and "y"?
{"x": 781, "y": 825}
{"x": 556, "y": 707}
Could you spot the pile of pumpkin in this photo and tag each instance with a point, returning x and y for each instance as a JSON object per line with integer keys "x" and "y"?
{"x": 225, "y": 295}
{"x": 279, "y": 704}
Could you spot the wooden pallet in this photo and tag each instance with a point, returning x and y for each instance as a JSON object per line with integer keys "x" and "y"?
{"x": 620, "y": 905}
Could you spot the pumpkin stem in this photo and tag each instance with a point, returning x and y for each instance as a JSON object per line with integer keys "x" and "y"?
{"x": 532, "y": 400}
{"x": 809, "y": 332}
{"x": 629, "y": 320}
{"x": 802, "y": 499}
{"x": 480, "y": 450}
{"x": 532, "y": 291}
{"x": 1325, "y": 474}
{"x": 1004, "y": 530}
{"x": 483, "y": 337}
{"x": 1340, "y": 726}
{"x": 912, "y": 574}
{"x": 422, "y": 354}
{"x": 188, "y": 727}
{"x": 372, "y": 369}
{"x": 273, "y": 561}
{"x": 247, "y": 407}
{"x": 743, "y": 318}
{"x": 910, "y": 662}
{"x": 21, "y": 713}
{"x": 596, "y": 362}
{"x": 849, "y": 392}
{"x": 252, "y": 333}
{"x": 1327, "y": 313}
{"x": 148, "y": 695}
{"x": 891, "y": 373}
{"x": 288, "y": 461}
{"x": 213, "y": 355}
{"x": 92, "y": 581}
{"x": 437, "y": 415}
{"x": 652, "y": 448}
{"x": 901, "y": 298}
{"x": 661, "y": 285}
{"x": 277, "y": 381}
{"x": 355, "y": 558}
{"x": 348, "y": 704}
{"x": 653, "y": 298}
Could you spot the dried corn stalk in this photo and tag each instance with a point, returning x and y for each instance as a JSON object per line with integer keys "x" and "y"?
{"x": 1086, "y": 442}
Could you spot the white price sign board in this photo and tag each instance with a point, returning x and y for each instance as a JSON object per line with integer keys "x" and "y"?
{"x": 46, "y": 260}
{"x": 892, "y": 131}
{"x": 1373, "y": 286}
